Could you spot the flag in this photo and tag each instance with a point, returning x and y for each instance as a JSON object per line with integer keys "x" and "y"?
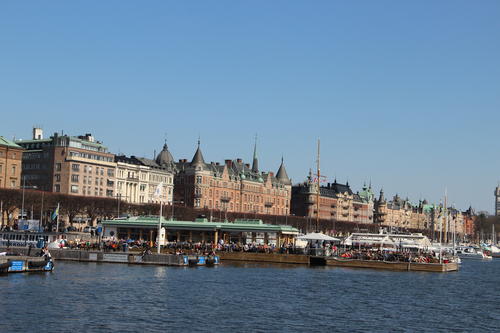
{"x": 55, "y": 214}
{"x": 158, "y": 190}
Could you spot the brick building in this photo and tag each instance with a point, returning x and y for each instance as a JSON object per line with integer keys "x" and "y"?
{"x": 68, "y": 164}
{"x": 10, "y": 164}
{"x": 337, "y": 202}
{"x": 233, "y": 186}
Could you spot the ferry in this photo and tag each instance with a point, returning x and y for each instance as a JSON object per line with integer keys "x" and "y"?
{"x": 27, "y": 238}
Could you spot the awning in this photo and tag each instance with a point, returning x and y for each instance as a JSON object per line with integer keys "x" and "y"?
{"x": 318, "y": 236}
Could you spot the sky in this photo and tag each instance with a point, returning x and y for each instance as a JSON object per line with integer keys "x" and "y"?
{"x": 403, "y": 94}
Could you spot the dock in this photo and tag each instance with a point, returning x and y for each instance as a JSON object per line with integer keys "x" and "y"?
{"x": 385, "y": 265}
{"x": 135, "y": 258}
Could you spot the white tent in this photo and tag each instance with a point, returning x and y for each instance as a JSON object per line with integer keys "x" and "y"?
{"x": 317, "y": 236}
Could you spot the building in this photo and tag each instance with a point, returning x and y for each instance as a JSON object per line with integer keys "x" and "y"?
{"x": 69, "y": 165}
{"x": 336, "y": 202}
{"x": 137, "y": 178}
{"x": 10, "y": 164}
{"x": 497, "y": 201}
{"x": 232, "y": 187}
{"x": 201, "y": 230}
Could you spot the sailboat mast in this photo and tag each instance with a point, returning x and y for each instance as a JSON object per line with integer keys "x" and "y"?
{"x": 318, "y": 191}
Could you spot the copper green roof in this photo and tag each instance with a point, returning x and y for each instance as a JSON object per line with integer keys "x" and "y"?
{"x": 201, "y": 224}
{"x": 11, "y": 144}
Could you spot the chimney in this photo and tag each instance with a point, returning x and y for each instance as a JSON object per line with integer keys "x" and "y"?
{"x": 247, "y": 165}
{"x": 37, "y": 133}
{"x": 239, "y": 160}
{"x": 217, "y": 163}
{"x": 271, "y": 174}
{"x": 228, "y": 163}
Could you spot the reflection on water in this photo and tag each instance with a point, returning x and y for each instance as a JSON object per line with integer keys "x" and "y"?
{"x": 249, "y": 297}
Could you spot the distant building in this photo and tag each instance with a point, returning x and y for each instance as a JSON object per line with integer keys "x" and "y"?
{"x": 497, "y": 201}
{"x": 137, "y": 178}
{"x": 75, "y": 165}
{"x": 337, "y": 202}
{"x": 232, "y": 187}
{"x": 10, "y": 164}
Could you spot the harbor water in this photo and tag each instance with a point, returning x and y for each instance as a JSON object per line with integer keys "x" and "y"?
{"x": 98, "y": 297}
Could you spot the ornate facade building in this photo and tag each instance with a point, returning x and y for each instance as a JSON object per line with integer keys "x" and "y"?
{"x": 336, "y": 202}
{"x": 137, "y": 178}
{"x": 69, "y": 165}
{"x": 232, "y": 187}
{"x": 10, "y": 164}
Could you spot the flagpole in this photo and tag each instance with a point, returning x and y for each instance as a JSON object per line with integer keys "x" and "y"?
{"x": 159, "y": 227}
{"x": 57, "y": 218}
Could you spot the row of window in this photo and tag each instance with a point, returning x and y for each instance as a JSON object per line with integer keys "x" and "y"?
{"x": 13, "y": 183}
{"x": 13, "y": 169}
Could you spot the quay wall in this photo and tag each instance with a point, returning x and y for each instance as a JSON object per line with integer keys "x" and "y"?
{"x": 113, "y": 257}
{"x": 265, "y": 257}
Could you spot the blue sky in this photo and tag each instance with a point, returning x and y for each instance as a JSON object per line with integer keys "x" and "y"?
{"x": 405, "y": 94}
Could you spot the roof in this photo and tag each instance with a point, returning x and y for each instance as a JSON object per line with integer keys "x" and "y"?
{"x": 281, "y": 175}
{"x": 7, "y": 143}
{"x": 198, "y": 157}
{"x": 202, "y": 224}
{"x": 165, "y": 158}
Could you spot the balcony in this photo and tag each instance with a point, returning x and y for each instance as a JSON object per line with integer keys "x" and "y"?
{"x": 133, "y": 179}
{"x": 225, "y": 199}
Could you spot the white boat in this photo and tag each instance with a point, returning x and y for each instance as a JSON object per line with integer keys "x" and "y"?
{"x": 470, "y": 252}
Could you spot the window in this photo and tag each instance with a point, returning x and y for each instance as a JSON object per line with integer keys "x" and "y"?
{"x": 75, "y": 178}
{"x": 13, "y": 170}
{"x": 74, "y": 188}
{"x": 198, "y": 179}
{"x": 1, "y": 168}
{"x": 75, "y": 167}
{"x": 57, "y": 177}
{"x": 57, "y": 188}
{"x": 58, "y": 166}
{"x": 102, "y": 171}
{"x": 111, "y": 173}
{"x": 12, "y": 183}
{"x": 84, "y": 168}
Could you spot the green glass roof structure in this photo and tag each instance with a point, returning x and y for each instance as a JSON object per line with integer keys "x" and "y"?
{"x": 201, "y": 225}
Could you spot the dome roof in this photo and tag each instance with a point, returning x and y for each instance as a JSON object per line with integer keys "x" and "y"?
{"x": 164, "y": 157}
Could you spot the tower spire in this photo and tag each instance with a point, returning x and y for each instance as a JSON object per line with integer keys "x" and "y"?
{"x": 255, "y": 163}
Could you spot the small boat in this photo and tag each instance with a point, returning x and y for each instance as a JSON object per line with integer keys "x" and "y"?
{"x": 471, "y": 252}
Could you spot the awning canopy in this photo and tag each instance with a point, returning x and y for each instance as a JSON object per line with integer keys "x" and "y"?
{"x": 318, "y": 236}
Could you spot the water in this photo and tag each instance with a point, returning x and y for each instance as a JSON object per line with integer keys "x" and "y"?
{"x": 92, "y": 297}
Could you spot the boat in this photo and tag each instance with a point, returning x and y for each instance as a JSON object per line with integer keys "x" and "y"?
{"x": 471, "y": 252}
{"x": 18, "y": 264}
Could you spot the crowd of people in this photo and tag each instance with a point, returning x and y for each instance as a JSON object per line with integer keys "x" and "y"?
{"x": 398, "y": 256}
{"x": 205, "y": 248}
